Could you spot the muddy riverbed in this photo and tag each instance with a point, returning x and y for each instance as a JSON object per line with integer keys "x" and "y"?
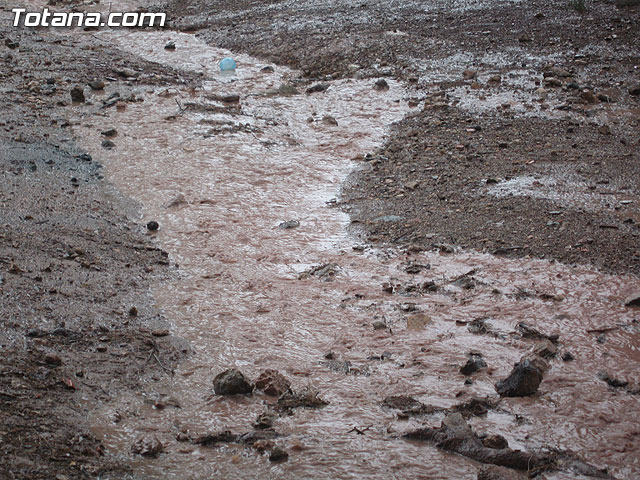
{"x": 381, "y": 323}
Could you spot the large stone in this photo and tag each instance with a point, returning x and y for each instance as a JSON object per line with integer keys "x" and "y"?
{"x": 272, "y": 383}
{"x": 523, "y": 380}
{"x": 231, "y": 382}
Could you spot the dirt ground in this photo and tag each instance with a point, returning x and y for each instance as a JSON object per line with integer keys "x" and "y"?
{"x": 482, "y": 163}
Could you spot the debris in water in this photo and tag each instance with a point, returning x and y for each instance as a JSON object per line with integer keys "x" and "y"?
{"x": 227, "y": 64}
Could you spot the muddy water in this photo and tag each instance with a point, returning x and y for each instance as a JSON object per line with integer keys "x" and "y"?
{"x": 238, "y": 171}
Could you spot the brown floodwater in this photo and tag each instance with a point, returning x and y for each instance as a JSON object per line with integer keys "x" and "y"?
{"x": 237, "y": 172}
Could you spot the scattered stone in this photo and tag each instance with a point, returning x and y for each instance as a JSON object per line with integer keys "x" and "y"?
{"x": 133, "y": 312}
{"x": 112, "y": 132}
{"x": 524, "y": 38}
{"x": 635, "y": 90}
{"x": 287, "y": 90}
{"x": 267, "y": 69}
{"x": 325, "y": 271}
{"x": 278, "y": 455}
{"x": 318, "y": 87}
{"x": 469, "y": 74}
{"x": 568, "y": 357}
{"x": 528, "y": 331}
{"x": 11, "y": 44}
{"x": 633, "y": 300}
{"x": 495, "y": 79}
{"x": 612, "y": 381}
{"x": 231, "y": 382}
{"x": 379, "y": 325}
{"x": 147, "y": 446}
{"x": 381, "y": 84}
{"x": 604, "y": 130}
{"x": 77, "y": 94}
{"x": 152, "y": 226}
{"x": 475, "y": 407}
{"x": 160, "y": 333}
{"x": 455, "y": 435}
{"x": 96, "y": 85}
{"x": 552, "y": 82}
{"x": 108, "y": 144}
{"x": 409, "y": 407}
{"x": 418, "y": 321}
{"x": 170, "y": 45}
{"x": 273, "y": 383}
{"x": 53, "y": 360}
{"x": 289, "y": 224}
{"x": 212, "y": 439}
{"x": 523, "y": 380}
{"x": 557, "y": 72}
{"x": 329, "y": 120}
{"x": 264, "y": 421}
{"x": 474, "y": 363}
{"x": 588, "y": 97}
{"x": 495, "y": 442}
{"x": 308, "y": 398}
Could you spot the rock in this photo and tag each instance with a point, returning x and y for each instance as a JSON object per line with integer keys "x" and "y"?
{"x": 108, "y": 144}
{"x": 170, "y": 45}
{"x": 53, "y": 360}
{"x": 287, "y": 90}
{"x": 557, "y": 72}
{"x": 152, "y": 226}
{"x": 264, "y": 421}
{"x": 329, "y": 120}
{"x": 417, "y": 321}
{"x": 474, "y": 363}
{"x": 318, "y": 87}
{"x": 495, "y": 441}
{"x": 147, "y": 446}
{"x": 633, "y": 300}
{"x": 278, "y": 455}
{"x": 604, "y": 130}
{"x": 552, "y": 82}
{"x": 495, "y": 79}
{"x": 267, "y": 69}
{"x": 381, "y": 84}
{"x": 588, "y": 97}
{"x": 133, "y": 312}
{"x": 612, "y": 381}
{"x": 308, "y": 398}
{"x": 455, "y": 435}
{"x": 568, "y": 357}
{"x": 77, "y": 94}
{"x": 11, "y": 44}
{"x": 160, "y": 333}
{"x": 112, "y": 132}
{"x": 469, "y": 74}
{"x": 379, "y": 325}
{"x": 524, "y": 38}
{"x": 272, "y": 382}
{"x": 211, "y": 439}
{"x": 635, "y": 90}
{"x": 289, "y": 224}
{"x": 96, "y": 85}
{"x": 230, "y": 98}
{"x": 523, "y": 380}
{"x": 231, "y": 382}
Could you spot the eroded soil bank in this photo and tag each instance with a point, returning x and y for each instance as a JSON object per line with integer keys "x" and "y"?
{"x": 243, "y": 174}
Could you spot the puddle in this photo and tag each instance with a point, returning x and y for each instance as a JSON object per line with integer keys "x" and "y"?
{"x": 240, "y": 170}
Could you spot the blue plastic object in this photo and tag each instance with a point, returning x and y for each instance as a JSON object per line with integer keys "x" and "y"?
{"x": 227, "y": 64}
